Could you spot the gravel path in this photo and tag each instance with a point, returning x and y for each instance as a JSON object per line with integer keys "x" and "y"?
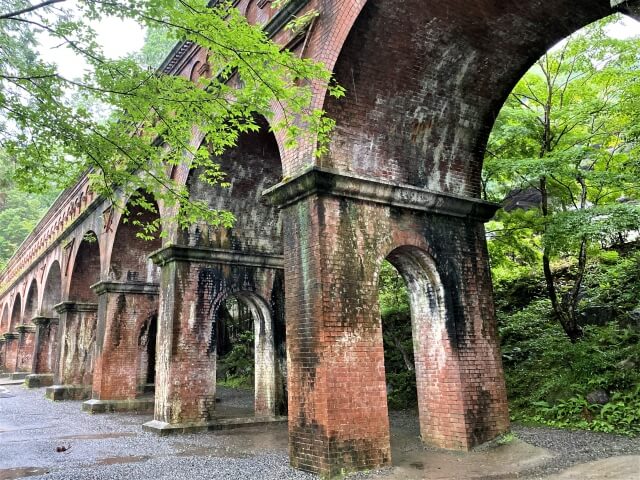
{"x": 574, "y": 447}
{"x": 113, "y": 446}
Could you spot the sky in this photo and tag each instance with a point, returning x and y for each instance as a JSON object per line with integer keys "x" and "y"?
{"x": 121, "y": 37}
{"x": 117, "y": 37}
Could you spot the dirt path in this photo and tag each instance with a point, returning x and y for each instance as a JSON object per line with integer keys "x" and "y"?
{"x": 115, "y": 447}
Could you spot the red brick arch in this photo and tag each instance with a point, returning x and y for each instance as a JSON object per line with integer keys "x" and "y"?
{"x": 52, "y": 290}
{"x": 426, "y": 81}
{"x": 31, "y": 301}
{"x": 85, "y": 268}
{"x": 4, "y": 319}
{"x": 16, "y": 312}
{"x": 127, "y": 255}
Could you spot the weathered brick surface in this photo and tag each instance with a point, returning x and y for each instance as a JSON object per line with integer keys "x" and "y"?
{"x": 26, "y": 346}
{"x": 10, "y": 352}
{"x": 77, "y": 343}
{"x": 126, "y": 317}
{"x": 191, "y": 295}
{"x": 337, "y": 397}
{"x": 425, "y": 81}
{"x": 46, "y": 347}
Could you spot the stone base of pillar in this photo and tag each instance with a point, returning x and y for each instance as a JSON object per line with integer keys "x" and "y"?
{"x": 38, "y": 380}
{"x": 163, "y": 428}
{"x": 68, "y": 392}
{"x": 138, "y": 405}
{"x": 18, "y": 376}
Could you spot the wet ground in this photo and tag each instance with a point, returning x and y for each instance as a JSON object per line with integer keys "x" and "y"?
{"x": 55, "y": 440}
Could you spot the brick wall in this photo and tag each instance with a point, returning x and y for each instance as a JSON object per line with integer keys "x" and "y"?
{"x": 47, "y": 346}
{"x": 26, "y": 345}
{"x": 191, "y": 294}
{"x": 77, "y": 343}
{"x": 337, "y": 393}
{"x": 121, "y": 347}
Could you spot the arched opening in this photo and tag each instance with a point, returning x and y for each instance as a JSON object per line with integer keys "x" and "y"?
{"x": 420, "y": 113}
{"x": 52, "y": 294}
{"x": 46, "y": 348}
{"x": 147, "y": 354}
{"x": 562, "y": 162}
{"x": 251, "y": 167}
{"x": 31, "y": 303}
{"x": 129, "y": 256}
{"x": 16, "y": 313}
{"x": 86, "y": 270}
{"x": 414, "y": 334}
{"x": 399, "y": 364}
{"x": 4, "y": 320}
{"x": 246, "y": 365}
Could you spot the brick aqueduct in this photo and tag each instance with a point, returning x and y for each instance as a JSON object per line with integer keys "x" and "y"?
{"x": 97, "y": 314}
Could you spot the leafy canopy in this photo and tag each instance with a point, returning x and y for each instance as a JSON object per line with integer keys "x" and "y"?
{"x": 48, "y": 123}
{"x": 568, "y": 140}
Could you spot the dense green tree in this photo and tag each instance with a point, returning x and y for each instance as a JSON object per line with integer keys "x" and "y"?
{"x": 19, "y": 213}
{"x": 48, "y": 125}
{"x": 569, "y": 137}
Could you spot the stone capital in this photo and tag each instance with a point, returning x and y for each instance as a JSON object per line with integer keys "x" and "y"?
{"x": 10, "y": 336}
{"x": 44, "y": 321}
{"x": 75, "y": 307}
{"x": 101, "y": 288}
{"x": 317, "y": 181}
{"x": 22, "y": 329}
{"x": 175, "y": 253}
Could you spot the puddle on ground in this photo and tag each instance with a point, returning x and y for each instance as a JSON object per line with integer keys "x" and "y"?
{"x": 97, "y": 436}
{"x": 11, "y": 473}
{"x": 119, "y": 460}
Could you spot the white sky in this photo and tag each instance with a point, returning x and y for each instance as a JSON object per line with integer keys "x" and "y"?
{"x": 121, "y": 37}
{"x": 117, "y": 37}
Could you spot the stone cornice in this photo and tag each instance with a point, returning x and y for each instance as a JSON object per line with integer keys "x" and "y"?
{"x": 75, "y": 307}
{"x": 26, "y": 328}
{"x": 126, "y": 287}
{"x": 175, "y": 253}
{"x": 330, "y": 182}
{"x": 10, "y": 336}
{"x": 272, "y": 27}
{"x": 44, "y": 321}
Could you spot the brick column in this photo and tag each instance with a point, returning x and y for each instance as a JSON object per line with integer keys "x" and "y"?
{"x": 337, "y": 230}
{"x": 76, "y": 338}
{"x": 24, "y": 359}
{"x": 3, "y": 354}
{"x": 194, "y": 283}
{"x": 11, "y": 351}
{"x": 44, "y": 352}
{"x": 123, "y": 309}
{"x": 45, "y": 345}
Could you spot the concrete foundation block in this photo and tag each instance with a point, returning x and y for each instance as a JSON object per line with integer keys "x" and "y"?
{"x": 140, "y": 405}
{"x": 163, "y": 428}
{"x": 38, "y": 380}
{"x": 68, "y": 392}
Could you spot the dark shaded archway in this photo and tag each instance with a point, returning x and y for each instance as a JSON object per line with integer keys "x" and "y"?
{"x": 245, "y": 320}
{"x": 86, "y": 269}
{"x": 129, "y": 255}
{"x": 252, "y": 166}
{"x": 52, "y": 293}
{"x": 16, "y": 313}
{"x": 31, "y": 302}
{"x": 430, "y": 351}
{"x": 4, "y": 319}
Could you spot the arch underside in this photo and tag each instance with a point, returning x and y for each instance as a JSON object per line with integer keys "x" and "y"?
{"x": 426, "y": 80}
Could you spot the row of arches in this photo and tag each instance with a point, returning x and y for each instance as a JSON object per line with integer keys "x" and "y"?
{"x": 418, "y": 115}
